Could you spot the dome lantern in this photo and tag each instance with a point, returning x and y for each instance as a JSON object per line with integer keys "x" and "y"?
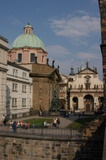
{"x": 28, "y": 29}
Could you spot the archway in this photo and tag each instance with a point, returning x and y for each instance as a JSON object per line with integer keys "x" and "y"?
{"x": 87, "y": 107}
{"x": 88, "y": 103}
{"x": 75, "y": 103}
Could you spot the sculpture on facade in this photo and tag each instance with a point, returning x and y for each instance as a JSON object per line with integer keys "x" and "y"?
{"x": 35, "y": 59}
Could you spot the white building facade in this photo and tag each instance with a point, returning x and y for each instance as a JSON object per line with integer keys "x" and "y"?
{"x": 63, "y": 92}
{"x": 84, "y": 90}
{"x": 19, "y": 91}
{"x": 3, "y": 73}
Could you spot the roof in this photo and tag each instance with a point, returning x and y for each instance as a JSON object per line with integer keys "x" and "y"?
{"x": 28, "y": 39}
{"x": 44, "y": 70}
{"x": 3, "y": 38}
{"x": 87, "y": 71}
{"x": 17, "y": 66}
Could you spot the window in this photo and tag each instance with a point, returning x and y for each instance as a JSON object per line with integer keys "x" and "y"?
{"x": 24, "y": 75}
{"x": 70, "y": 86}
{"x": 15, "y": 87}
{"x": 61, "y": 89}
{"x": 32, "y": 57}
{"x": 14, "y": 102}
{"x": 42, "y": 59}
{"x": 24, "y": 88}
{"x": 15, "y": 72}
{"x": 20, "y": 57}
{"x": 23, "y": 102}
{"x": 81, "y": 86}
{"x": 30, "y": 88}
{"x": 95, "y": 86}
{"x": 87, "y": 86}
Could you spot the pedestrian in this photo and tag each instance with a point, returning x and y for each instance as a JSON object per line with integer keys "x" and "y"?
{"x": 79, "y": 115}
{"x": 69, "y": 113}
{"x": 3, "y": 117}
{"x": 83, "y": 113}
{"x": 14, "y": 126}
{"x": 54, "y": 122}
{"x": 5, "y": 120}
{"x": 58, "y": 122}
{"x": 11, "y": 123}
{"x": 40, "y": 113}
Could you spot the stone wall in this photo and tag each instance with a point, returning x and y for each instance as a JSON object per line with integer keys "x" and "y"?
{"x": 26, "y": 146}
{"x": 32, "y": 149}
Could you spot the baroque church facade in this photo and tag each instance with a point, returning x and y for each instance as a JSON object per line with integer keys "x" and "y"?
{"x": 82, "y": 91}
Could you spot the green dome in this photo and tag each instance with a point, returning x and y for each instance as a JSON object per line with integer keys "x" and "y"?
{"x": 28, "y": 39}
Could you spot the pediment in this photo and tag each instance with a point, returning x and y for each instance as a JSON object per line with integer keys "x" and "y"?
{"x": 55, "y": 75}
{"x": 87, "y": 71}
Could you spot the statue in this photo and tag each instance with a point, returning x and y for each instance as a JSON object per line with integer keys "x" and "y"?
{"x": 53, "y": 63}
{"x": 36, "y": 59}
{"x": 86, "y": 64}
{"x": 47, "y": 60}
{"x": 55, "y": 105}
{"x": 58, "y": 67}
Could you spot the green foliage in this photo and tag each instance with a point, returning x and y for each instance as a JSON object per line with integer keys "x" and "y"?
{"x": 79, "y": 123}
{"x": 38, "y": 121}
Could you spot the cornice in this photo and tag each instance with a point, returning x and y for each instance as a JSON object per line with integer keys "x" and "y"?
{"x": 4, "y": 47}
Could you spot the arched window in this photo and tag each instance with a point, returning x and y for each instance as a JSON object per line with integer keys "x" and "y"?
{"x": 19, "y": 57}
{"x": 32, "y": 57}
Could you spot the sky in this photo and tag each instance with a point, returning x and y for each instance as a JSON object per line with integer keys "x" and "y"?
{"x": 69, "y": 29}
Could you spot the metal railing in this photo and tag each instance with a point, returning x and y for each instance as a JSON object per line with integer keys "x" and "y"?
{"x": 43, "y": 132}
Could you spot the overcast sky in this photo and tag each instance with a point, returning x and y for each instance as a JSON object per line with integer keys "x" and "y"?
{"x": 69, "y": 29}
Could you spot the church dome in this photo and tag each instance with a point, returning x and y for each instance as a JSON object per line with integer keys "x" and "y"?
{"x": 28, "y": 39}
